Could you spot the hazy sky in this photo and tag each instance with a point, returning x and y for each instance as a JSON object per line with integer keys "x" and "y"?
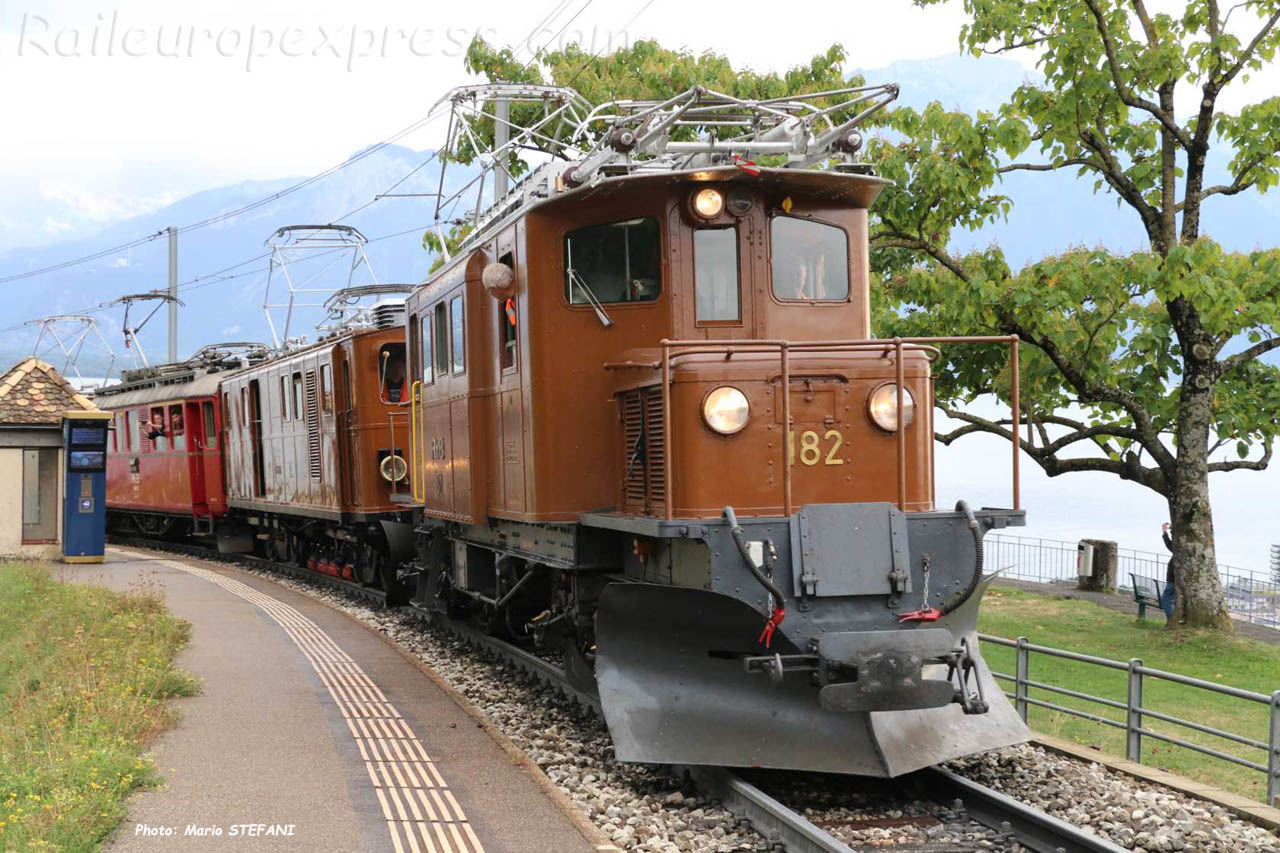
{"x": 121, "y": 109}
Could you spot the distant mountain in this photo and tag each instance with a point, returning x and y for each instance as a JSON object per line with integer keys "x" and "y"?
{"x": 1050, "y": 214}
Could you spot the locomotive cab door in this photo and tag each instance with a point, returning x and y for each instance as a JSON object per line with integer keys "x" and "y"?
{"x": 345, "y": 418}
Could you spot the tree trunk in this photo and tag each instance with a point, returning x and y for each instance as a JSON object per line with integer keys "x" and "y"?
{"x": 1200, "y": 602}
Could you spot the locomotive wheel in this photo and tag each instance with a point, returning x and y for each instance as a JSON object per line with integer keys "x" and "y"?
{"x": 369, "y": 567}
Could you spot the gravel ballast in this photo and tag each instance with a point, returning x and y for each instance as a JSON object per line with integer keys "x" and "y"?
{"x": 646, "y": 808}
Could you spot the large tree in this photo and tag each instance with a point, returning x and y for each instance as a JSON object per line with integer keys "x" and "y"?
{"x": 1144, "y": 365}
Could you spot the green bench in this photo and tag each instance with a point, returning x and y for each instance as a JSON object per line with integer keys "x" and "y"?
{"x": 1146, "y": 591}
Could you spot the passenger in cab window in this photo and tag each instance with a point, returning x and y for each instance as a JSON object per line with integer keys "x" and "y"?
{"x": 155, "y": 428}
{"x": 393, "y": 385}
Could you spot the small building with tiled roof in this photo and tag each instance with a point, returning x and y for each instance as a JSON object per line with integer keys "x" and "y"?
{"x": 34, "y": 397}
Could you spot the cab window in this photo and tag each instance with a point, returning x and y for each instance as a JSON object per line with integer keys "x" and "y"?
{"x": 612, "y": 263}
{"x": 715, "y": 275}
{"x": 424, "y": 348}
{"x": 442, "y": 338}
{"x": 392, "y": 383}
{"x": 810, "y": 260}
{"x": 458, "y": 327}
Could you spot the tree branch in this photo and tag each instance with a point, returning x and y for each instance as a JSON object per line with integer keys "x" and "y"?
{"x": 1230, "y": 363}
{"x": 1125, "y": 93}
{"x": 1244, "y": 464}
{"x": 1127, "y": 467}
{"x": 1247, "y": 53}
{"x": 1049, "y": 167}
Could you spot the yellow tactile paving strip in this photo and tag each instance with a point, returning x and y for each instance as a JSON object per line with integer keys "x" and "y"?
{"x": 421, "y": 812}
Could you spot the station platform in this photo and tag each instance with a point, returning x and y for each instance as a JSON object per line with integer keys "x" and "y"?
{"x": 312, "y": 733}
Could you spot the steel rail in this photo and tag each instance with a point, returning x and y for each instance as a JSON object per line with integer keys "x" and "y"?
{"x": 1034, "y": 829}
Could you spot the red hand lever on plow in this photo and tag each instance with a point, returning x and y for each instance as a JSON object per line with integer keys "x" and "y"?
{"x": 775, "y": 619}
{"x": 929, "y": 614}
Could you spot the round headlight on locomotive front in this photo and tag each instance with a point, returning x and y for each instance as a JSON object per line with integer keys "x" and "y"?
{"x": 725, "y": 410}
{"x": 393, "y": 468}
{"x": 708, "y": 203}
{"x": 883, "y": 407}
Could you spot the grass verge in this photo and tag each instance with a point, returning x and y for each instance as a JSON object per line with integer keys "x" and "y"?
{"x": 1082, "y": 626}
{"x": 85, "y": 673}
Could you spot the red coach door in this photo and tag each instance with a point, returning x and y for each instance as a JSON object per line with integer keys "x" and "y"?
{"x": 195, "y": 456}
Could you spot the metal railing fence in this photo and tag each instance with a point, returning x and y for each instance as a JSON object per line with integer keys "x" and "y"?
{"x": 1052, "y": 561}
{"x": 1136, "y": 713}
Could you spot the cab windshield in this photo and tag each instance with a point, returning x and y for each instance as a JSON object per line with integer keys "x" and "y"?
{"x": 810, "y": 261}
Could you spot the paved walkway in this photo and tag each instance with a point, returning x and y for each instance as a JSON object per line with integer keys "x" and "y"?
{"x": 311, "y": 733}
{"x": 1123, "y": 601}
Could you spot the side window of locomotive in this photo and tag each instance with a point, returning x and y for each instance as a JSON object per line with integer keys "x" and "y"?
{"x": 612, "y": 263}
{"x": 177, "y": 429}
{"x": 297, "y": 397}
{"x": 457, "y": 326}
{"x": 326, "y": 389}
{"x": 442, "y": 338}
{"x": 284, "y": 401}
{"x": 715, "y": 275}
{"x": 121, "y": 433}
{"x": 810, "y": 260}
{"x": 157, "y": 431}
{"x": 131, "y": 430}
{"x": 424, "y": 348}
{"x": 210, "y": 427}
{"x": 507, "y": 325}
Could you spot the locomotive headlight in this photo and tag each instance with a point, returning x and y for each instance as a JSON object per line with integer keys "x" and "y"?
{"x": 708, "y": 203}
{"x": 393, "y": 468}
{"x": 725, "y": 410}
{"x": 883, "y": 407}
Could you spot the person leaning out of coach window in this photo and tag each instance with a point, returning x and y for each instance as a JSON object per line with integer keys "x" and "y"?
{"x": 1167, "y": 595}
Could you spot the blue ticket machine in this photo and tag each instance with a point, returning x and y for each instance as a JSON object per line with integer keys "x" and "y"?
{"x": 84, "y": 512}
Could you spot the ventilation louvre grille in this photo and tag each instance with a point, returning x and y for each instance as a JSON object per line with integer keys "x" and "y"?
{"x": 644, "y": 465}
{"x": 313, "y": 426}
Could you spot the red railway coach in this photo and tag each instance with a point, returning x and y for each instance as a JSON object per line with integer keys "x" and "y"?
{"x": 164, "y": 459}
{"x": 315, "y": 447}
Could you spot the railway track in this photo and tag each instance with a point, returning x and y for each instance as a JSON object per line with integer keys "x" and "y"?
{"x": 783, "y": 827}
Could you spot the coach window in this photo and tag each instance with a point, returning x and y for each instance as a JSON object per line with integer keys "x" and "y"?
{"x": 810, "y": 260}
{"x": 715, "y": 275}
{"x": 326, "y": 388}
{"x": 157, "y": 431}
{"x": 210, "y": 427}
{"x": 131, "y": 430}
{"x": 612, "y": 263}
{"x": 442, "y": 338}
{"x": 297, "y": 396}
{"x": 177, "y": 429}
{"x": 458, "y": 327}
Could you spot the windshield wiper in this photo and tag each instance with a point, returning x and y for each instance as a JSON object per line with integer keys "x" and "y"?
{"x": 591, "y": 297}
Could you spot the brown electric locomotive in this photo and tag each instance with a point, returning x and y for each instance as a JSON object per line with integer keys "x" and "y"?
{"x": 315, "y": 456}
{"x": 650, "y": 424}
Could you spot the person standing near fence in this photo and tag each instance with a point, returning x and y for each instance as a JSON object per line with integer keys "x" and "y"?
{"x": 1168, "y": 593}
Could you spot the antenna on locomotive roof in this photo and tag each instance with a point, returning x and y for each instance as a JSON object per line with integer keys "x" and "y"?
{"x": 69, "y": 334}
{"x": 299, "y": 284}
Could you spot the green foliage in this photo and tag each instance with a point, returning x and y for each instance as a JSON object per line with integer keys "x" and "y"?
{"x": 1129, "y": 339}
{"x": 85, "y": 675}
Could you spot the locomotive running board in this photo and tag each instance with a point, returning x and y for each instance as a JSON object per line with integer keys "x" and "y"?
{"x": 673, "y": 690}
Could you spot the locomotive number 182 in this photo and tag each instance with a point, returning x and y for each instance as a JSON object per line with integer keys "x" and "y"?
{"x": 815, "y": 448}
